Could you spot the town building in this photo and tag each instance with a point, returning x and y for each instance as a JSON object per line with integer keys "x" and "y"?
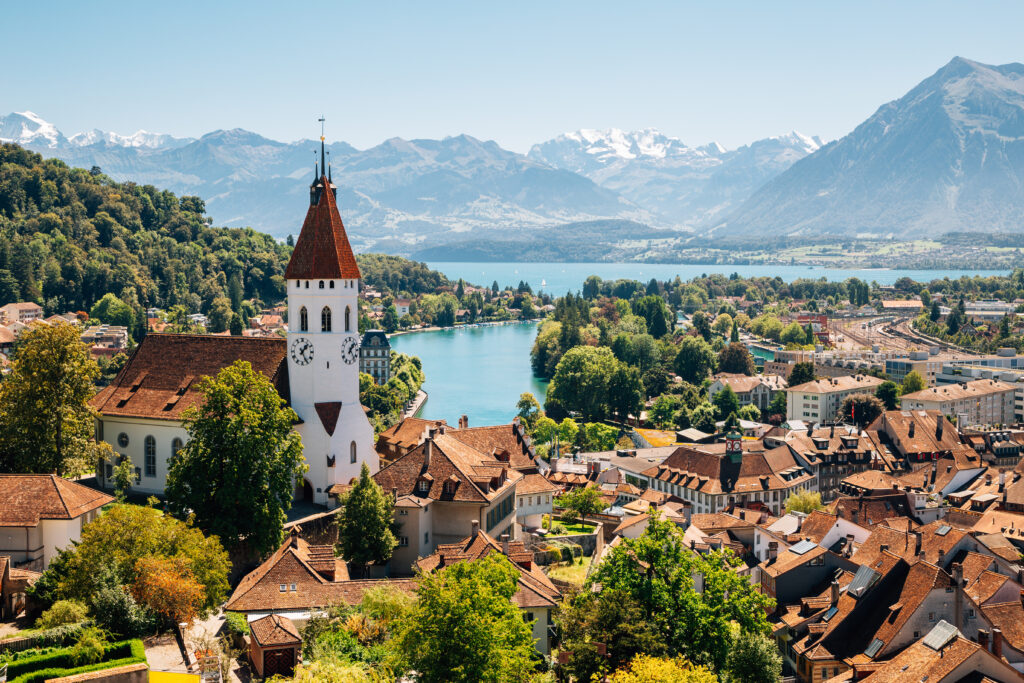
{"x": 275, "y": 646}
{"x": 980, "y": 402}
{"x": 315, "y": 369}
{"x": 21, "y": 312}
{"x": 953, "y": 373}
{"x": 819, "y": 400}
{"x": 922, "y": 362}
{"x": 402, "y": 307}
{"x": 375, "y": 356}
{"x": 41, "y": 514}
{"x": 756, "y": 390}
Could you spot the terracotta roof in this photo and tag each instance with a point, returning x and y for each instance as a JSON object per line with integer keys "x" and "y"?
{"x": 328, "y": 414}
{"x": 473, "y": 476}
{"x": 1008, "y": 617}
{"x": 409, "y": 432}
{"x": 867, "y": 510}
{"x": 959, "y": 392}
{"x": 922, "y": 663}
{"x": 535, "y": 589}
{"x": 322, "y": 249}
{"x": 27, "y": 498}
{"x": 508, "y": 437}
{"x": 274, "y": 629}
{"x": 535, "y": 483}
{"x": 817, "y": 524}
{"x": 787, "y": 560}
{"x": 974, "y": 564}
{"x": 829, "y": 384}
{"x": 160, "y": 378}
{"x": 871, "y": 480}
{"x": 708, "y": 470}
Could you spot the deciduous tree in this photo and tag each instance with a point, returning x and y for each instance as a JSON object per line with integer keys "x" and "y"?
{"x": 695, "y": 360}
{"x": 861, "y": 409}
{"x": 911, "y": 383}
{"x": 735, "y": 358}
{"x": 726, "y": 402}
{"x": 804, "y": 501}
{"x": 580, "y": 502}
{"x": 801, "y": 374}
{"x": 888, "y": 393}
{"x": 167, "y": 587}
{"x": 647, "y": 669}
{"x": 754, "y": 658}
{"x": 581, "y": 381}
{"x": 236, "y": 472}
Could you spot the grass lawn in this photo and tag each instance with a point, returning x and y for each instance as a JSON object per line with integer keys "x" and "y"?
{"x": 571, "y": 528}
{"x": 571, "y": 573}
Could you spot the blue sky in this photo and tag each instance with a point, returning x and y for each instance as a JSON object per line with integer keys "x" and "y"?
{"x": 514, "y": 72}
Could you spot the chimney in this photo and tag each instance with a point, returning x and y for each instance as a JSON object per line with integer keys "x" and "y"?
{"x": 394, "y": 493}
{"x": 882, "y": 548}
{"x": 475, "y": 529}
{"x": 428, "y": 450}
{"x": 464, "y": 422}
{"x": 958, "y": 574}
{"x": 938, "y": 427}
{"x": 854, "y": 514}
{"x": 917, "y": 543}
{"x": 295, "y": 536}
{"x": 848, "y": 550}
{"x": 935, "y": 469}
{"x": 773, "y": 550}
{"x": 834, "y": 592}
{"x": 1002, "y": 481}
{"x": 997, "y": 642}
{"x": 913, "y": 426}
{"x": 504, "y": 544}
{"x": 983, "y": 638}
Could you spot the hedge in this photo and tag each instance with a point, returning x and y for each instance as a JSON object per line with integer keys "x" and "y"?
{"x": 59, "y": 664}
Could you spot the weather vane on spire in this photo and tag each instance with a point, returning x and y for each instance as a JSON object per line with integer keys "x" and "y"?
{"x": 323, "y": 165}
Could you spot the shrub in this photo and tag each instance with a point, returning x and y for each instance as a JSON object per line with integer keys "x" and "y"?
{"x": 59, "y": 663}
{"x": 61, "y": 613}
{"x": 236, "y": 624}
{"x": 117, "y": 611}
{"x": 91, "y": 646}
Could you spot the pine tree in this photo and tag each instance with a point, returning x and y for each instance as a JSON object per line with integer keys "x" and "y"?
{"x": 365, "y": 527}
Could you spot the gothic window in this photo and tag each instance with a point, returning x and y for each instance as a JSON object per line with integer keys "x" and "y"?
{"x": 325, "y": 319}
{"x": 150, "y": 450}
{"x": 303, "y": 320}
{"x": 307, "y": 284}
{"x": 332, "y": 284}
{"x": 352, "y": 452}
{"x": 321, "y": 284}
{"x": 298, "y": 284}
{"x": 348, "y": 319}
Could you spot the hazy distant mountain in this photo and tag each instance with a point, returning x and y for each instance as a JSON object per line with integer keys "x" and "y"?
{"x": 401, "y": 191}
{"x": 683, "y": 185}
{"x": 947, "y": 156}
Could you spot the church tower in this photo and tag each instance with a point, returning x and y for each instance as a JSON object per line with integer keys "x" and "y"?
{"x": 323, "y": 346}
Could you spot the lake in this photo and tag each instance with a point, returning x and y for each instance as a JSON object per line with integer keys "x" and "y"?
{"x": 566, "y": 277}
{"x": 478, "y": 371}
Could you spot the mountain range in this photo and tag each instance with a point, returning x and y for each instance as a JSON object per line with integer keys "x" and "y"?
{"x": 947, "y": 156}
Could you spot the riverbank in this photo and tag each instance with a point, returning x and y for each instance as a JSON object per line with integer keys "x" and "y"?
{"x": 466, "y": 326}
{"x": 415, "y": 405}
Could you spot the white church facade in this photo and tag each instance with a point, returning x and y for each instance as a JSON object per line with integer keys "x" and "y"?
{"x": 316, "y": 370}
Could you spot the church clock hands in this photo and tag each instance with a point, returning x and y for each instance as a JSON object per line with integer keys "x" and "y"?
{"x": 302, "y": 351}
{"x": 350, "y": 350}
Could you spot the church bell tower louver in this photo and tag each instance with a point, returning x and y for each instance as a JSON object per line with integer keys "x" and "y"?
{"x": 323, "y": 345}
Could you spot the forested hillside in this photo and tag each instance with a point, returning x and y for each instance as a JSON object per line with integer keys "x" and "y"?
{"x": 68, "y": 236}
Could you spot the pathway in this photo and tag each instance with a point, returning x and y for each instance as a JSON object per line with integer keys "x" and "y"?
{"x": 417, "y": 403}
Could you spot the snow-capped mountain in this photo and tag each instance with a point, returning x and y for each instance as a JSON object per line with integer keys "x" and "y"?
{"x": 30, "y": 130}
{"x": 140, "y": 138}
{"x": 682, "y": 184}
{"x": 947, "y": 156}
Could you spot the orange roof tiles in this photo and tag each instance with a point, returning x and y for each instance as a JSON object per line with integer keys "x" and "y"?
{"x": 322, "y": 249}
{"x": 27, "y": 498}
{"x": 274, "y": 629}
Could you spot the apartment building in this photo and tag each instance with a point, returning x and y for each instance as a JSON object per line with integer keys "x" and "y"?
{"x": 820, "y": 400}
{"x": 981, "y": 402}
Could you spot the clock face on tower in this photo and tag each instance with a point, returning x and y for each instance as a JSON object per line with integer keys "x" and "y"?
{"x": 302, "y": 351}
{"x": 350, "y": 350}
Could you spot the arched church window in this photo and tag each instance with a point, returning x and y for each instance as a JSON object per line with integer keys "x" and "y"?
{"x": 352, "y": 452}
{"x": 307, "y": 284}
{"x": 321, "y": 284}
{"x": 149, "y": 451}
{"x": 348, "y": 319}
{"x": 325, "y": 319}
{"x": 176, "y": 446}
{"x": 332, "y": 284}
{"x": 303, "y": 320}
{"x": 298, "y": 284}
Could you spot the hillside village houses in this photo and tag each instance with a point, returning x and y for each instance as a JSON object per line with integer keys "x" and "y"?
{"x": 756, "y": 390}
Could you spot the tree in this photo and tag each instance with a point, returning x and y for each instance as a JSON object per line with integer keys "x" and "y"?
{"x": 726, "y": 402}
{"x": 802, "y": 373}
{"x": 734, "y": 334}
{"x": 112, "y": 311}
{"x": 657, "y": 315}
{"x": 580, "y": 502}
{"x": 62, "y": 612}
{"x": 112, "y": 545}
{"x": 658, "y": 570}
{"x": 887, "y": 392}
{"x": 934, "y": 312}
{"x": 861, "y": 409}
{"x": 754, "y": 658}
{"x": 647, "y": 669}
{"x": 625, "y": 392}
{"x": 464, "y": 628}
{"x": 389, "y": 322}
{"x": 46, "y": 424}
{"x": 778, "y": 404}
{"x": 220, "y": 315}
{"x": 528, "y": 409}
{"x": 581, "y": 381}
{"x": 567, "y": 430}
{"x": 695, "y": 360}
{"x": 793, "y": 333}
{"x": 611, "y": 617}
{"x": 702, "y": 324}
{"x": 663, "y": 411}
{"x": 911, "y": 383}
{"x": 749, "y": 412}
{"x": 124, "y": 477}
{"x": 595, "y": 436}
{"x": 736, "y": 359}
{"x": 235, "y": 326}
{"x": 804, "y": 501}
{"x": 236, "y": 472}
{"x": 702, "y": 417}
{"x": 168, "y": 587}
{"x": 723, "y": 324}
{"x": 365, "y": 526}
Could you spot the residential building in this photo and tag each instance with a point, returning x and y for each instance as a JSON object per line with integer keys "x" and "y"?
{"x": 41, "y": 514}
{"x": 14, "y": 583}
{"x": 953, "y": 373}
{"x": 980, "y": 402}
{"x": 375, "y": 356}
{"x": 921, "y": 362}
{"x": 22, "y": 312}
{"x": 756, "y": 390}
{"x": 536, "y": 596}
{"x": 831, "y": 453}
{"x": 536, "y": 499}
{"x": 441, "y": 486}
{"x": 402, "y": 307}
{"x": 275, "y": 646}
{"x": 819, "y": 400}
{"x": 315, "y": 370}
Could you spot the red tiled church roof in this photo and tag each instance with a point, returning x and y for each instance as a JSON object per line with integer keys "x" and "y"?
{"x": 322, "y": 250}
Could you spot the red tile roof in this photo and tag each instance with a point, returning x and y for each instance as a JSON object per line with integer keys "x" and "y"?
{"x": 322, "y": 250}
{"x": 27, "y": 498}
{"x": 160, "y": 378}
{"x": 274, "y": 629}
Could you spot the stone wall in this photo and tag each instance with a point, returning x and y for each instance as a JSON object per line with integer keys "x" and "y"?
{"x": 131, "y": 673}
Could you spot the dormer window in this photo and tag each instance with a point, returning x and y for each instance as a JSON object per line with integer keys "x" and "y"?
{"x": 423, "y": 485}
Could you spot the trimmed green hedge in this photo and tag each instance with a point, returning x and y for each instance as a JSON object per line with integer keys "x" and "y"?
{"x": 58, "y": 664}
